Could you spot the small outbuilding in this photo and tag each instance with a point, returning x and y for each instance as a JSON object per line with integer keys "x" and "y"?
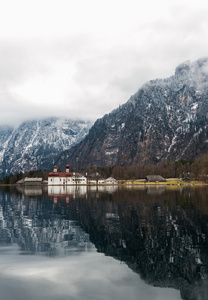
{"x": 188, "y": 177}
{"x": 78, "y": 178}
{"x": 155, "y": 178}
{"x": 110, "y": 180}
{"x": 30, "y": 181}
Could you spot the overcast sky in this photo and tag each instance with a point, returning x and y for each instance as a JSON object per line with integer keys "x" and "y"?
{"x": 83, "y": 58}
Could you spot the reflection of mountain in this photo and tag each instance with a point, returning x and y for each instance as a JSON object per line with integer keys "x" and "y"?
{"x": 162, "y": 235}
{"x": 37, "y": 225}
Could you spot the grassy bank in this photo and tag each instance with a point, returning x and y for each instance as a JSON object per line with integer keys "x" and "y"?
{"x": 169, "y": 181}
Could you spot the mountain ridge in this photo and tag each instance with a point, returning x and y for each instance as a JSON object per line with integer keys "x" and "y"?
{"x": 165, "y": 119}
{"x": 36, "y": 144}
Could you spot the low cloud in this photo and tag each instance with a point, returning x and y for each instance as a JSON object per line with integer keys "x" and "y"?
{"x": 85, "y": 65}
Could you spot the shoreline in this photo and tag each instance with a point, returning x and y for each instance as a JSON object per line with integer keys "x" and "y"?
{"x": 119, "y": 183}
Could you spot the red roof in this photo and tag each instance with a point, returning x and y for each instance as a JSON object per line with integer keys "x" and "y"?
{"x": 60, "y": 174}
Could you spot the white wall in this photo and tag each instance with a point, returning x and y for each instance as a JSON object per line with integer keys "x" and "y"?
{"x": 67, "y": 180}
{"x": 59, "y": 180}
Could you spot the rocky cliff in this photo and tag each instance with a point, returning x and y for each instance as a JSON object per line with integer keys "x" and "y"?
{"x": 165, "y": 119}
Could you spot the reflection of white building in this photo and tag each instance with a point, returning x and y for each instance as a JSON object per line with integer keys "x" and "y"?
{"x": 65, "y": 178}
{"x": 59, "y": 191}
{"x": 30, "y": 190}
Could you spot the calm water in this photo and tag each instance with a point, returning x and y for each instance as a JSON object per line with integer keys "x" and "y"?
{"x": 104, "y": 243}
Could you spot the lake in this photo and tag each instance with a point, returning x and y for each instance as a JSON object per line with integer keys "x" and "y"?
{"x": 100, "y": 243}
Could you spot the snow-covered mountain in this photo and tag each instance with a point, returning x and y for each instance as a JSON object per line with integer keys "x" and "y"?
{"x": 165, "y": 119}
{"x": 36, "y": 144}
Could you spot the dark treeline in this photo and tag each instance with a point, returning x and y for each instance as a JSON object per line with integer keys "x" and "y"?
{"x": 13, "y": 178}
{"x": 197, "y": 169}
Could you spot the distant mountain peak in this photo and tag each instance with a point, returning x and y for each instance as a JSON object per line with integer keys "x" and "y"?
{"x": 196, "y": 70}
{"x": 35, "y": 144}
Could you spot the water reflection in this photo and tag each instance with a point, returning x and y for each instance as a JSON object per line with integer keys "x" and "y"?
{"x": 36, "y": 226}
{"x": 30, "y": 191}
{"x": 159, "y": 233}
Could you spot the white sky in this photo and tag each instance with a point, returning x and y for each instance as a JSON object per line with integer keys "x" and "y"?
{"x": 83, "y": 58}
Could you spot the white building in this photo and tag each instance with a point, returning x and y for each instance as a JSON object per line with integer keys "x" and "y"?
{"x": 30, "y": 181}
{"x": 65, "y": 178}
{"x": 60, "y": 178}
{"x": 79, "y": 178}
{"x": 111, "y": 180}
